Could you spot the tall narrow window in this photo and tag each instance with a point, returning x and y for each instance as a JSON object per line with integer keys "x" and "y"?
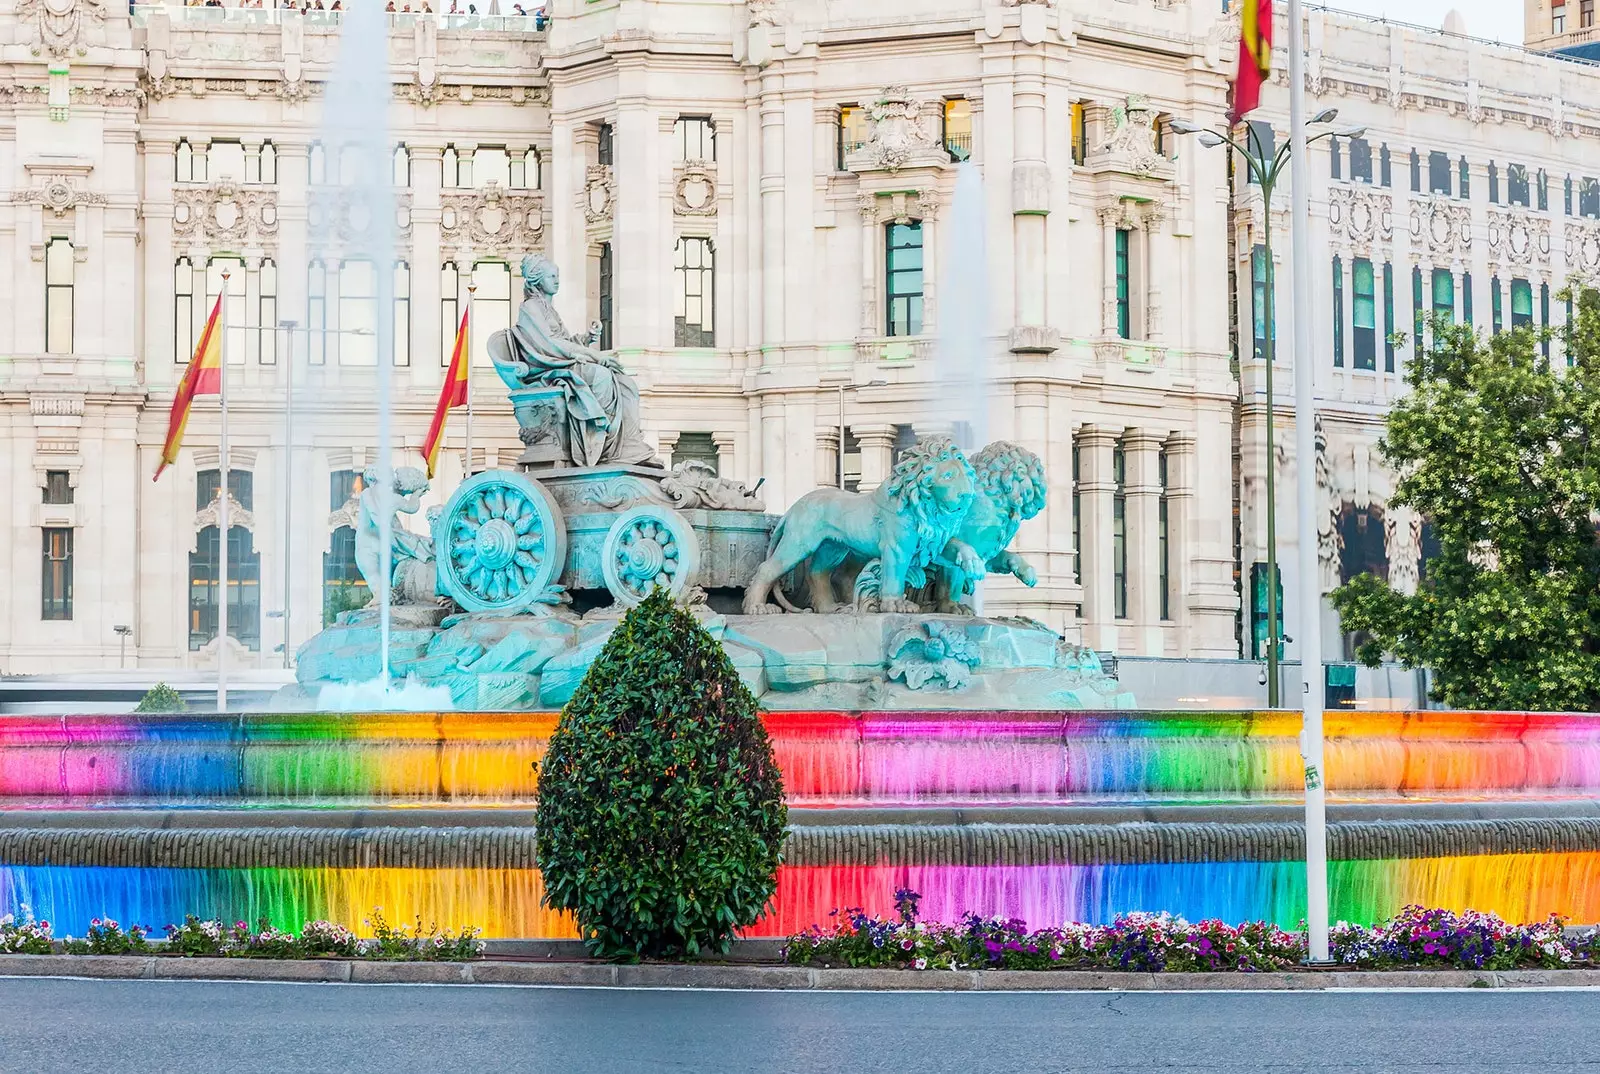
{"x": 1080, "y": 132}
{"x": 235, "y": 312}
{"x": 1364, "y": 314}
{"x": 449, "y": 167}
{"x": 343, "y": 588}
{"x": 183, "y": 162}
{"x": 1558, "y": 19}
{"x": 400, "y": 167}
{"x": 244, "y": 588}
{"x": 958, "y": 128}
{"x": 1338, "y": 312}
{"x": 1494, "y": 184}
{"x": 183, "y": 311}
{"x": 607, "y": 282}
{"x": 491, "y": 306}
{"x": 1164, "y": 538}
{"x": 1444, "y": 295}
{"x": 1521, "y": 303}
{"x": 1259, "y": 283}
{"x": 852, "y": 131}
{"x": 904, "y": 277}
{"x": 1124, "y": 292}
{"x": 1419, "y": 315}
{"x": 1544, "y": 319}
{"x": 1544, "y": 191}
{"x": 57, "y": 487}
{"x": 56, "y": 587}
{"x": 694, "y": 274}
{"x": 449, "y": 310}
{"x": 1335, "y": 157}
{"x": 1416, "y": 172}
{"x": 316, "y": 164}
{"x": 1385, "y": 172}
{"x": 695, "y": 138}
{"x": 1439, "y": 172}
{"x": 1077, "y": 513}
{"x": 1361, "y": 160}
{"x": 606, "y": 147}
{"x": 357, "y": 340}
{"x": 1466, "y": 298}
{"x": 1589, "y": 197}
{"x": 402, "y": 313}
{"x": 1260, "y": 140}
{"x": 269, "y": 163}
{"x": 1517, "y": 184}
{"x": 267, "y": 311}
{"x": 317, "y": 313}
{"x": 1463, "y": 180}
{"x": 1388, "y": 318}
{"x": 1119, "y": 534}
{"x": 58, "y": 273}
{"x": 1496, "y": 312}
{"x": 1568, "y": 195}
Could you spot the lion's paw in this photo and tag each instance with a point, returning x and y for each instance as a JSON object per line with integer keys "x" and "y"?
{"x": 762, "y": 609}
{"x": 889, "y": 604}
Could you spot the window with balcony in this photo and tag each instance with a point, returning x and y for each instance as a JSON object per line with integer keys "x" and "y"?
{"x": 852, "y": 131}
{"x": 1585, "y": 14}
{"x": 904, "y": 279}
{"x": 1080, "y": 132}
{"x": 694, "y": 277}
{"x": 1558, "y": 19}
{"x": 958, "y": 128}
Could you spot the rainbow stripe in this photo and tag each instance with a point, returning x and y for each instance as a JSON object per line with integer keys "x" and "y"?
{"x": 506, "y": 902}
{"x": 878, "y": 758}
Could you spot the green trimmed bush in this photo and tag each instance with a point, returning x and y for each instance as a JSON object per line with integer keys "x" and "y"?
{"x": 661, "y": 812}
{"x": 161, "y": 698}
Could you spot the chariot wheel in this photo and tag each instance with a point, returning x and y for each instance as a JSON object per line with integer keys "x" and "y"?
{"x": 649, "y": 546}
{"x": 502, "y": 542}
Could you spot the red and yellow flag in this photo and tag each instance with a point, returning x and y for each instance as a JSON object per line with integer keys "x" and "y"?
{"x": 202, "y": 377}
{"x": 1255, "y": 56}
{"x": 453, "y": 394}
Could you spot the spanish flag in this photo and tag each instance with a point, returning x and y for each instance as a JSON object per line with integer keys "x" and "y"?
{"x": 453, "y": 394}
{"x": 1255, "y": 56}
{"x": 202, "y": 377}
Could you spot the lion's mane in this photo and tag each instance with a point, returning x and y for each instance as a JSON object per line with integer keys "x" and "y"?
{"x": 910, "y": 489}
{"x": 1013, "y": 476}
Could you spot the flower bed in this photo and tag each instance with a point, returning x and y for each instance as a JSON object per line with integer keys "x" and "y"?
{"x": 318, "y": 939}
{"x": 1155, "y": 943}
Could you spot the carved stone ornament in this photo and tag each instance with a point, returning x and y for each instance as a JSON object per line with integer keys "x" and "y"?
{"x": 58, "y": 196}
{"x": 238, "y": 514}
{"x": 342, "y": 215}
{"x": 897, "y": 207}
{"x": 226, "y": 212}
{"x": 1402, "y": 538}
{"x": 1443, "y": 228}
{"x": 492, "y": 220}
{"x": 767, "y": 12}
{"x": 1363, "y": 219}
{"x": 1130, "y": 143}
{"x": 1518, "y": 239}
{"x": 599, "y": 190}
{"x": 694, "y": 189}
{"x": 63, "y": 25}
{"x": 898, "y": 137}
{"x": 694, "y": 483}
{"x": 1583, "y": 248}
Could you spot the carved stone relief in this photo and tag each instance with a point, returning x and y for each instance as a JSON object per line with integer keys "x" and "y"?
{"x": 898, "y": 207}
{"x": 898, "y": 136}
{"x": 1583, "y": 248}
{"x": 1129, "y": 145}
{"x": 1402, "y": 538}
{"x": 1364, "y": 219}
{"x": 1441, "y": 228}
{"x": 1518, "y": 239}
{"x": 345, "y": 217}
{"x": 238, "y": 515}
{"x": 63, "y": 26}
{"x": 226, "y": 212}
{"x": 599, "y": 190}
{"x": 58, "y": 195}
{"x": 493, "y": 220}
{"x": 694, "y": 189}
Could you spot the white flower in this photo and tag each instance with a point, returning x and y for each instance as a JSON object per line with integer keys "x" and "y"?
{"x": 920, "y": 964}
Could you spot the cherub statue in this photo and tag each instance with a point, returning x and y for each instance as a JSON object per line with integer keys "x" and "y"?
{"x": 413, "y": 575}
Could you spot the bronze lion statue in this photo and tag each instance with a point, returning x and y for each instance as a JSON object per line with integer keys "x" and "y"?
{"x": 904, "y": 524}
{"x": 1011, "y": 488}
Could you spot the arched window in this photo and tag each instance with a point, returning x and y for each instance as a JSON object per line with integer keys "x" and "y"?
{"x": 343, "y": 588}
{"x": 183, "y": 311}
{"x": 269, "y": 163}
{"x": 402, "y": 313}
{"x": 450, "y": 167}
{"x": 316, "y": 164}
{"x": 694, "y": 274}
{"x": 244, "y": 588}
{"x": 402, "y": 166}
{"x": 532, "y": 170}
{"x": 449, "y": 309}
{"x": 358, "y": 314}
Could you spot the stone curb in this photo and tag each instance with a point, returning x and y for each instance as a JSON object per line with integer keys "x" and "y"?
{"x": 773, "y": 978}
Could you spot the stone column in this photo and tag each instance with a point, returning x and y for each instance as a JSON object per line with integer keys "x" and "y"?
{"x": 1180, "y": 517}
{"x": 1095, "y": 487}
{"x": 1030, "y": 188}
{"x": 872, "y": 320}
{"x": 1108, "y": 301}
{"x": 828, "y": 446}
{"x": 877, "y": 453}
{"x": 772, "y": 211}
{"x": 1155, "y": 261}
{"x": 1142, "y": 457}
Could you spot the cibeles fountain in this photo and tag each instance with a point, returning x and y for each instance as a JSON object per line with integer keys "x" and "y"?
{"x": 850, "y": 600}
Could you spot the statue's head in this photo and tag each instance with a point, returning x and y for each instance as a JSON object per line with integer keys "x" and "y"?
{"x": 539, "y": 273}
{"x": 1013, "y": 477}
{"x": 410, "y": 483}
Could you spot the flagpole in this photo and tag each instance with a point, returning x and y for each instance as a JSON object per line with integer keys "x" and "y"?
{"x": 1310, "y": 597}
{"x": 466, "y": 370}
{"x": 222, "y": 499}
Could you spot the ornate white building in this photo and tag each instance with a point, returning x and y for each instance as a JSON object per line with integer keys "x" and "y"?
{"x": 756, "y": 199}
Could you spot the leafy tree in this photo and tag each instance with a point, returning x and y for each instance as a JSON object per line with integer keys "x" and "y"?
{"x": 1497, "y": 450}
{"x": 661, "y": 812}
{"x": 161, "y": 698}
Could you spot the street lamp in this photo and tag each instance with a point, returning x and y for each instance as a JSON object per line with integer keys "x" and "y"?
{"x": 842, "y": 386}
{"x": 1265, "y": 172}
{"x": 122, "y": 633}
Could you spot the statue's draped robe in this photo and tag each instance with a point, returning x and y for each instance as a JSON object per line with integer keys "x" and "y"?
{"x": 602, "y": 403}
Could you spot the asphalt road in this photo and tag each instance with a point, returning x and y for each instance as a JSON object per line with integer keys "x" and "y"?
{"x": 108, "y": 1027}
